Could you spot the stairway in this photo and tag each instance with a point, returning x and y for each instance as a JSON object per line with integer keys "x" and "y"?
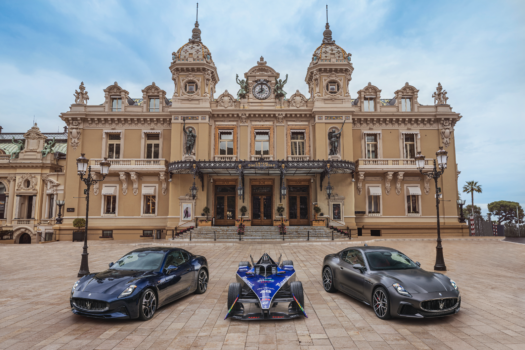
{"x": 261, "y": 233}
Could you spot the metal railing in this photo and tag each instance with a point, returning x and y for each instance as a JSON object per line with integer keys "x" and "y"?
{"x": 230, "y": 158}
{"x": 390, "y": 162}
{"x": 297, "y": 236}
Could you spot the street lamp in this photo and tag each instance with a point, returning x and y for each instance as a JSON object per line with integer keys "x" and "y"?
{"x": 461, "y": 203}
{"x": 193, "y": 190}
{"x": 329, "y": 188}
{"x": 82, "y": 166}
{"x": 283, "y": 191}
{"x": 59, "y": 218}
{"x": 442, "y": 158}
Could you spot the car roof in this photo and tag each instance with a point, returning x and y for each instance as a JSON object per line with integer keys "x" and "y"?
{"x": 372, "y": 249}
{"x": 154, "y": 249}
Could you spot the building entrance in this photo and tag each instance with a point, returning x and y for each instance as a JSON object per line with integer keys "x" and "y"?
{"x": 298, "y": 200}
{"x": 225, "y": 205}
{"x": 262, "y": 201}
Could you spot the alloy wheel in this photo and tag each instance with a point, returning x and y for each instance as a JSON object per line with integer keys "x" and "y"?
{"x": 380, "y": 303}
{"x": 203, "y": 281}
{"x": 327, "y": 279}
{"x": 149, "y": 303}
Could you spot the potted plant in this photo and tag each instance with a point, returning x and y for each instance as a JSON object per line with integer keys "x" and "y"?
{"x": 280, "y": 210}
{"x": 317, "y": 210}
{"x": 79, "y": 224}
{"x": 243, "y": 210}
{"x": 205, "y": 211}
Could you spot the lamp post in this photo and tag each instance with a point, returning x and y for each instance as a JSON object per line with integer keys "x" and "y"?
{"x": 283, "y": 191}
{"x": 82, "y": 166}
{"x": 461, "y": 203}
{"x": 329, "y": 187}
{"x": 442, "y": 157}
{"x": 59, "y": 218}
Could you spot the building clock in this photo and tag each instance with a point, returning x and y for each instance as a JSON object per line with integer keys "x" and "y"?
{"x": 261, "y": 91}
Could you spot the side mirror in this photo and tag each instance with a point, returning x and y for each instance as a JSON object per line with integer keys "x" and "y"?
{"x": 359, "y": 267}
{"x": 170, "y": 269}
{"x": 418, "y": 263}
{"x": 111, "y": 264}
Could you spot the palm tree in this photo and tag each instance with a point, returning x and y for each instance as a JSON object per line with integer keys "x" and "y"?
{"x": 471, "y": 187}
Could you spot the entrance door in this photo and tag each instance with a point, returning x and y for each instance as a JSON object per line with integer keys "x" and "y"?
{"x": 262, "y": 205}
{"x": 298, "y": 205}
{"x": 25, "y": 239}
{"x": 225, "y": 205}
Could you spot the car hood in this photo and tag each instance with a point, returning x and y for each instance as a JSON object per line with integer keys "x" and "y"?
{"x": 111, "y": 281}
{"x": 419, "y": 280}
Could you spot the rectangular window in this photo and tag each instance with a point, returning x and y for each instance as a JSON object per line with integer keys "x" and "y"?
{"x": 147, "y": 233}
{"x": 152, "y": 146}
{"x": 262, "y": 143}
{"x": 410, "y": 146}
{"x": 374, "y": 200}
{"x": 406, "y": 104}
{"x": 191, "y": 88}
{"x": 413, "y": 204}
{"x": 298, "y": 143}
{"x": 369, "y": 104}
{"x": 226, "y": 143}
{"x": 154, "y": 104}
{"x": 107, "y": 234}
{"x": 371, "y": 146}
{"x": 150, "y": 203}
{"x": 116, "y": 104}
{"x": 113, "y": 146}
{"x": 110, "y": 204}
{"x": 51, "y": 206}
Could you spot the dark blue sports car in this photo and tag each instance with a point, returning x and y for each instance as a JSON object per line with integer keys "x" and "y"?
{"x": 139, "y": 283}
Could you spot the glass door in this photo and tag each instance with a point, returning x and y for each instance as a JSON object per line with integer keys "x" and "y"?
{"x": 262, "y": 205}
{"x": 225, "y": 205}
{"x": 298, "y": 205}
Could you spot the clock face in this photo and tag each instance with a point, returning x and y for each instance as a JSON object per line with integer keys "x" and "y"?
{"x": 261, "y": 91}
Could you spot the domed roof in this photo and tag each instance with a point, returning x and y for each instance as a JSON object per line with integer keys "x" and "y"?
{"x": 194, "y": 48}
{"x": 329, "y": 48}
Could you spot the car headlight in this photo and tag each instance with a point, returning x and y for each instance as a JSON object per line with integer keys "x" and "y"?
{"x": 454, "y": 284}
{"x": 75, "y": 287}
{"x": 399, "y": 288}
{"x": 127, "y": 291}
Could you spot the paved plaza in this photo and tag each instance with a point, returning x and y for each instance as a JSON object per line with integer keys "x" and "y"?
{"x": 36, "y": 279}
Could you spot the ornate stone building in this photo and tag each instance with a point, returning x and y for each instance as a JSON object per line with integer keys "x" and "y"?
{"x": 171, "y": 158}
{"x": 32, "y": 170}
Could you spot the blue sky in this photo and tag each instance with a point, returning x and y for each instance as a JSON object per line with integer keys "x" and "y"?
{"x": 476, "y": 49}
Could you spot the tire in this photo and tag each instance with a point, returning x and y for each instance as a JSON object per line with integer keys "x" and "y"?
{"x": 147, "y": 305}
{"x": 287, "y": 262}
{"x": 381, "y": 303}
{"x": 244, "y": 263}
{"x": 328, "y": 280}
{"x": 202, "y": 282}
{"x": 297, "y": 290}
{"x": 234, "y": 291}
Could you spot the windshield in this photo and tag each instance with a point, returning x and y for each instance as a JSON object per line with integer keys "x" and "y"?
{"x": 139, "y": 261}
{"x": 388, "y": 260}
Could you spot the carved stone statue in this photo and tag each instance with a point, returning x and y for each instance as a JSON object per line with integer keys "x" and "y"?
{"x": 190, "y": 138}
{"x": 440, "y": 96}
{"x": 279, "y": 85}
{"x": 244, "y": 87}
{"x": 81, "y": 97}
{"x": 334, "y": 137}
{"x": 48, "y": 147}
{"x": 174, "y": 56}
{"x": 19, "y": 147}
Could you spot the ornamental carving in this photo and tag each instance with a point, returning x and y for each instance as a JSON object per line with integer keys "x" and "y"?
{"x": 370, "y": 91}
{"x": 426, "y": 187}
{"x": 113, "y": 90}
{"x": 407, "y": 90}
{"x": 360, "y": 179}
{"x": 190, "y": 78}
{"x": 243, "y": 119}
{"x": 388, "y": 178}
{"x": 280, "y": 118}
{"x": 154, "y": 90}
{"x": 124, "y": 179}
{"x": 440, "y": 96}
{"x": 74, "y": 132}
{"x": 398, "y": 183}
{"x": 51, "y": 184}
{"x": 163, "y": 180}
{"x": 81, "y": 97}
{"x": 135, "y": 180}
{"x": 96, "y": 185}
{"x": 27, "y": 182}
{"x": 297, "y": 100}
{"x": 446, "y": 132}
{"x": 226, "y": 100}
{"x": 11, "y": 179}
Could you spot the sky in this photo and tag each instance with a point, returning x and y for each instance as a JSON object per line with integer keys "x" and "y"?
{"x": 475, "y": 49}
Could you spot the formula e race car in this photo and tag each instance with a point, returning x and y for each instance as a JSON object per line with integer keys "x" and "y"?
{"x": 266, "y": 284}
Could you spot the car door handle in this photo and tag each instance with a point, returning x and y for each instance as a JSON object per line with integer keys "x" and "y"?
{"x": 341, "y": 267}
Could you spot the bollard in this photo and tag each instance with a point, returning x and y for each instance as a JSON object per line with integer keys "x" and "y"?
{"x": 332, "y": 235}
{"x": 308, "y": 236}
{"x": 214, "y": 236}
{"x": 172, "y": 235}
{"x": 190, "y": 235}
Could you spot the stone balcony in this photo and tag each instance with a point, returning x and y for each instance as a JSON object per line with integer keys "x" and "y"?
{"x": 259, "y": 157}
{"x": 390, "y": 164}
{"x": 131, "y": 164}
{"x": 225, "y": 158}
{"x": 298, "y": 158}
{"x": 23, "y": 222}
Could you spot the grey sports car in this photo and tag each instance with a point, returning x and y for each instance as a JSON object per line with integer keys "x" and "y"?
{"x": 391, "y": 282}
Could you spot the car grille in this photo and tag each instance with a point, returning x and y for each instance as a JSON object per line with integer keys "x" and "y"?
{"x": 438, "y": 305}
{"x": 90, "y": 305}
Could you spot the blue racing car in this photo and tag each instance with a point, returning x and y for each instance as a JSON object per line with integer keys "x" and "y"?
{"x": 266, "y": 284}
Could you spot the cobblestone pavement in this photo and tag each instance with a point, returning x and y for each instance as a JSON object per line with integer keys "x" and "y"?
{"x": 35, "y": 282}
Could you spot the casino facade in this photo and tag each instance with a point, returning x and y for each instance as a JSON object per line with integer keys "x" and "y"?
{"x": 260, "y": 148}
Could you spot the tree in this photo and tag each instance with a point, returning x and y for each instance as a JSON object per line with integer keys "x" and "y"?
{"x": 471, "y": 187}
{"x": 467, "y": 211}
{"x": 79, "y": 223}
{"x": 506, "y": 211}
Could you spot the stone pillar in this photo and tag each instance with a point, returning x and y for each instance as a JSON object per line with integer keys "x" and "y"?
{"x": 11, "y": 200}
{"x": 33, "y": 208}
{"x": 17, "y": 207}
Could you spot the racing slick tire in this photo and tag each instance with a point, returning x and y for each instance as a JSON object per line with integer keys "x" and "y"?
{"x": 287, "y": 262}
{"x": 297, "y": 290}
{"x": 244, "y": 263}
{"x": 328, "y": 280}
{"x": 234, "y": 291}
{"x": 381, "y": 303}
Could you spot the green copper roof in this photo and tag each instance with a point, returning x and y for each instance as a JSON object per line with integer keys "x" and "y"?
{"x": 9, "y": 148}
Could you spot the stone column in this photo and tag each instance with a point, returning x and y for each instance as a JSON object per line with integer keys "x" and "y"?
{"x": 11, "y": 200}
{"x": 33, "y": 209}
{"x": 17, "y": 207}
